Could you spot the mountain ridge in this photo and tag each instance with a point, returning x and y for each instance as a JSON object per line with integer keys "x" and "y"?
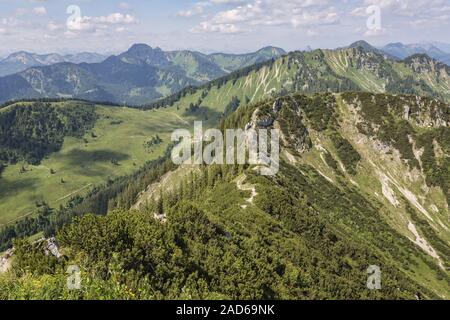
{"x": 403, "y": 51}
{"x": 137, "y": 76}
{"x": 21, "y": 60}
{"x": 337, "y": 206}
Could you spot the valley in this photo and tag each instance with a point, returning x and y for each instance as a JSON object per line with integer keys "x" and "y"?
{"x": 343, "y": 199}
{"x": 363, "y": 181}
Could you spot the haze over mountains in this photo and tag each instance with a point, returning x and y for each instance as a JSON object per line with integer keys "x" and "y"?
{"x": 402, "y": 51}
{"x": 144, "y": 74}
{"x": 22, "y": 60}
{"x": 137, "y": 76}
{"x": 364, "y": 177}
{"x": 353, "y": 190}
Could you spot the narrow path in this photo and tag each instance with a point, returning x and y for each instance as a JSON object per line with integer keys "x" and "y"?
{"x": 16, "y": 219}
{"x": 72, "y": 193}
{"x": 177, "y": 116}
{"x": 33, "y": 212}
{"x": 241, "y": 186}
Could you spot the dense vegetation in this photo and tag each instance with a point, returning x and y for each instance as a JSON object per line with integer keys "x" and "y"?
{"x": 436, "y": 144}
{"x": 281, "y": 249}
{"x": 390, "y": 119}
{"x": 303, "y": 236}
{"x": 30, "y": 132}
{"x": 295, "y": 243}
{"x": 120, "y": 192}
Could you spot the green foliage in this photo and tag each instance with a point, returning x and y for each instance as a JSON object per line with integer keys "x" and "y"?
{"x": 120, "y": 192}
{"x": 319, "y": 109}
{"x": 154, "y": 141}
{"x": 2, "y": 167}
{"x": 232, "y": 106}
{"x": 296, "y": 242}
{"x": 29, "y": 133}
{"x": 442, "y": 248}
{"x": 436, "y": 169}
{"x": 331, "y": 162}
{"x": 31, "y": 258}
{"x": 346, "y": 152}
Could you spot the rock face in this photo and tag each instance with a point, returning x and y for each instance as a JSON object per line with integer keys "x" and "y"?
{"x": 52, "y": 248}
{"x": 277, "y": 105}
{"x": 265, "y": 122}
{"x": 5, "y": 261}
{"x": 406, "y": 112}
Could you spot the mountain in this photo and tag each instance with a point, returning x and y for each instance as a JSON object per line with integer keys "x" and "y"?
{"x": 87, "y": 57}
{"x": 232, "y": 62}
{"x": 363, "y": 183}
{"x": 138, "y": 76}
{"x": 402, "y": 51}
{"x": 364, "y": 45}
{"x": 351, "y": 69}
{"x": 442, "y": 46}
{"x": 144, "y": 74}
{"x": 22, "y": 60}
{"x": 357, "y": 191}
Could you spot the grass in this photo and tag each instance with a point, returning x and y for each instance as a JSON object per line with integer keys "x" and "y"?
{"x": 119, "y": 134}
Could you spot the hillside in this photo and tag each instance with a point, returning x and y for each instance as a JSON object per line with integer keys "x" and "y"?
{"x": 352, "y": 69}
{"x": 356, "y": 187}
{"x": 402, "y": 51}
{"x": 344, "y": 70}
{"x": 137, "y": 76}
{"x": 48, "y": 164}
{"x": 20, "y": 61}
{"x": 143, "y": 74}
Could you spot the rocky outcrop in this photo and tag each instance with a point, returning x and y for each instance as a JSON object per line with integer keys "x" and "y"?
{"x": 5, "y": 261}
{"x": 52, "y": 248}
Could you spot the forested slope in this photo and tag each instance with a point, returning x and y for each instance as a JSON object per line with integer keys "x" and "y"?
{"x": 349, "y": 194}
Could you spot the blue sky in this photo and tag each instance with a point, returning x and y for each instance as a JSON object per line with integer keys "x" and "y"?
{"x": 111, "y": 26}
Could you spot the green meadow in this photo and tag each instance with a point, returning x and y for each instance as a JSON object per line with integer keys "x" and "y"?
{"x": 116, "y": 146}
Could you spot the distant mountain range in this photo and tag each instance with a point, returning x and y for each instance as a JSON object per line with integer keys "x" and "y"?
{"x": 22, "y": 60}
{"x": 137, "y": 76}
{"x": 402, "y": 51}
{"x": 144, "y": 74}
{"x": 369, "y": 48}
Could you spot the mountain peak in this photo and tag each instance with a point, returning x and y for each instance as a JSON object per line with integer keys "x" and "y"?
{"x": 138, "y": 47}
{"x": 363, "y": 44}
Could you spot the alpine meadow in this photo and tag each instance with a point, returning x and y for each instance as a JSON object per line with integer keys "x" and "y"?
{"x": 95, "y": 206}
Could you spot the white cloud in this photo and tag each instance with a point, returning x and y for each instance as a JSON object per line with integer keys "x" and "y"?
{"x": 196, "y": 10}
{"x": 54, "y": 26}
{"x": 86, "y": 23}
{"x": 227, "y": 1}
{"x": 40, "y": 11}
{"x": 21, "y": 11}
{"x": 296, "y": 13}
{"x": 207, "y": 27}
{"x": 375, "y": 32}
{"x": 398, "y": 15}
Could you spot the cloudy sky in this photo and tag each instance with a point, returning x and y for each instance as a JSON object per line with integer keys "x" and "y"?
{"x": 110, "y": 26}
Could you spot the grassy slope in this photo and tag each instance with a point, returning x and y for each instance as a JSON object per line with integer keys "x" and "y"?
{"x": 128, "y": 137}
{"x": 223, "y": 204}
{"x": 82, "y": 165}
{"x": 420, "y": 266}
{"x": 369, "y": 183}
